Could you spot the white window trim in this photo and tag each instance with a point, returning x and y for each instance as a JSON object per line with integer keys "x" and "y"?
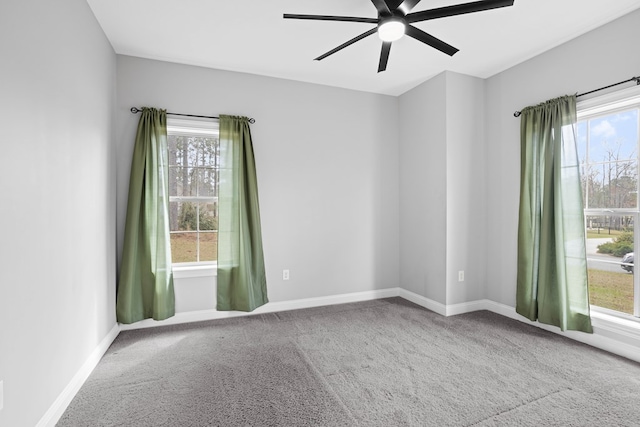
{"x": 193, "y": 126}
{"x": 598, "y": 104}
{"x": 621, "y": 324}
{"x": 191, "y": 270}
{"x": 607, "y": 313}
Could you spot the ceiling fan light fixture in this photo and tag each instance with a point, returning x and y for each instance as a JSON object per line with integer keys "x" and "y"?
{"x": 391, "y": 29}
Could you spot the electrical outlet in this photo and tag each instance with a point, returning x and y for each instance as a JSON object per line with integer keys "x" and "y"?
{"x": 461, "y": 276}
{"x": 285, "y": 274}
{"x": 1, "y": 395}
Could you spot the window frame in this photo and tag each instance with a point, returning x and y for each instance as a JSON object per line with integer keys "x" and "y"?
{"x": 598, "y": 106}
{"x": 199, "y": 127}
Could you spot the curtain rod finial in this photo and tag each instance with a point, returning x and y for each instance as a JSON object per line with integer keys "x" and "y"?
{"x": 135, "y": 110}
{"x": 517, "y": 114}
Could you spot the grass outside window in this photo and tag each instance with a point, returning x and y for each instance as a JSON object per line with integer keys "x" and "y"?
{"x": 611, "y": 290}
{"x": 184, "y": 247}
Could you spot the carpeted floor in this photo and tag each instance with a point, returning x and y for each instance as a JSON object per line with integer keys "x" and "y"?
{"x": 378, "y": 363}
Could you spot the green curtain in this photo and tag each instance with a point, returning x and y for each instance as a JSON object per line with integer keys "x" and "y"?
{"x": 242, "y": 283}
{"x": 145, "y": 289}
{"x": 552, "y": 268}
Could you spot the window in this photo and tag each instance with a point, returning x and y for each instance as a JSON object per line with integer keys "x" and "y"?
{"x": 194, "y": 156}
{"x": 608, "y": 147}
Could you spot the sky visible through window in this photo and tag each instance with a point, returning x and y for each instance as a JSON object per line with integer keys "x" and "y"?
{"x": 608, "y": 152}
{"x": 616, "y": 133}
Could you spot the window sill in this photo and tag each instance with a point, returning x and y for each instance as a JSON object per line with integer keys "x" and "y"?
{"x": 191, "y": 271}
{"x": 621, "y": 324}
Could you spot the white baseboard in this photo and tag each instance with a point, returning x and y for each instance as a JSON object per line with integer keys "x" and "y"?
{"x": 442, "y": 309}
{"x": 271, "y": 307}
{"x": 425, "y": 302}
{"x": 467, "y": 307}
{"x": 56, "y": 410}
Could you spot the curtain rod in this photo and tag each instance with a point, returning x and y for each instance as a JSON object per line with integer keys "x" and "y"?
{"x": 632, "y": 79}
{"x": 136, "y": 110}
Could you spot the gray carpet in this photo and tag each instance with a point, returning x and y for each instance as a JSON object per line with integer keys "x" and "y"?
{"x": 377, "y": 363}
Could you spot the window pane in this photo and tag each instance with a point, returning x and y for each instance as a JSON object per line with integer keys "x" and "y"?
{"x": 609, "y": 240}
{"x": 183, "y": 216}
{"x": 613, "y": 137}
{"x": 608, "y": 151}
{"x": 186, "y": 216}
{"x": 611, "y": 185}
{"x": 172, "y": 146}
{"x": 184, "y": 247}
{"x": 190, "y": 151}
{"x": 206, "y": 182}
{"x": 175, "y": 209}
{"x": 611, "y": 290}
{"x": 593, "y": 181}
{"x": 182, "y": 182}
{"x": 183, "y": 150}
{"x": 208, "y": 217}
{"x": 624, "y": 187}
{"x": 208, "y": 246}
{"x": 581, "y": 142}
{"x": 207, "y": 152}
{"x": 175, "y": 179}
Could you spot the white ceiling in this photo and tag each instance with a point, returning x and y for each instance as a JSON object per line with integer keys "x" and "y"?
{"x": 251, "y": 36}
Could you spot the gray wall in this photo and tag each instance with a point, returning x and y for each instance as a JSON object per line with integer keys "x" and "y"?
{"x": 442, "y": 189}
{"x": 57, "y": 251}
{"x": 327, "y": 164}
{"x": 466, "y": 191}
{"x": 603, "y": 56}
{"x": 423, "y": 189}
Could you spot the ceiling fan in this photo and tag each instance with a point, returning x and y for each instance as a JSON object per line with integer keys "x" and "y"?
{"x": 394, "y": 21}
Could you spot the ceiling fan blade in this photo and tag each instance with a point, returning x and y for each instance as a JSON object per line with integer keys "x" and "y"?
{"x": 382, "y": 7}
{"x": 393, "y": 4}
{"x": 407, "y": 5}
{"x": 384, "y": 56}
{"x": 458, "y": 9}
{"x": 331, "y": 18}
{"x": 430, "y": 40}
{"x": 350, "y": 42}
